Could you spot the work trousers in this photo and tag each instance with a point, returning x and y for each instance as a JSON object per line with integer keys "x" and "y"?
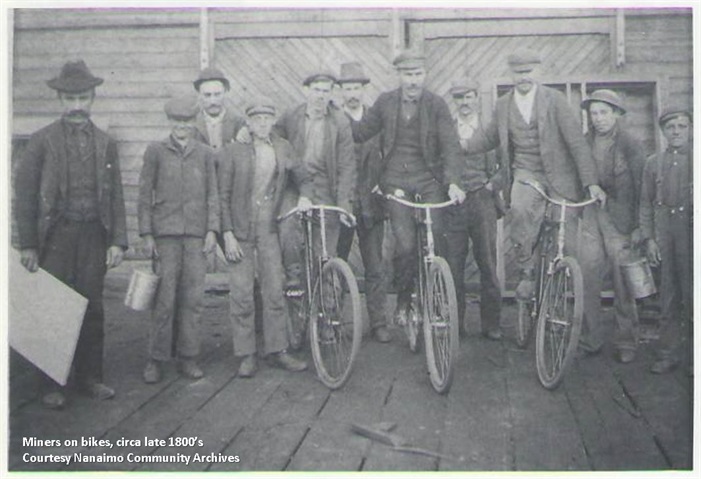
{"x": 370, "y": 243}
{"x": 175, "y": 323}
{"x": 606, "y": 249}
{"x": 475, "y": 220}
{"x": 403, "y": 220}
{"x": 262, "y": 258}
{"x": 75, "y": 253}
{"x": 673, "y": 235}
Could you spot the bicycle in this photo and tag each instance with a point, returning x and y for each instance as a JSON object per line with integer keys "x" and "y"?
{"x": 331, "y": 303}
{"x": 434, "y": 307}
{"x": 558, "y": 304}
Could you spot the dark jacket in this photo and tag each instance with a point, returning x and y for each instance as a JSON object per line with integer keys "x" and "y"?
{"x": 439, "y": 140}
{"x": 621, "y": 179}
{"x": 237, "y": 164}
{"x": 338, "y": 149}
{"x": 368, "y": 204}
{"x": 41, "y": 187}
{"x": 231, "y": 124}
{"x": 567, "y": 160}
{"x": 178, "y": 192}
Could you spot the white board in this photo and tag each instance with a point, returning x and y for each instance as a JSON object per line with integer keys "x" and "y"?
{"x": 45, "y": 319}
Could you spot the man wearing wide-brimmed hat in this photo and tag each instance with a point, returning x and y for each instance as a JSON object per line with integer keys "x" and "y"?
{"x": 368, "y": 207}
{"x": 178, "y": 221}
{"x": 70, "y": 215}
{"x": 421, "y": 156}
{"x": 666, "y": 214}
{"x": 610, "y": 233}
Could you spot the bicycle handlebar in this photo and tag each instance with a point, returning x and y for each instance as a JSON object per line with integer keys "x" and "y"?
{"x": 337, "y": 209}
{"x": 425, "y": 206}
{"x": 537, "y": 186}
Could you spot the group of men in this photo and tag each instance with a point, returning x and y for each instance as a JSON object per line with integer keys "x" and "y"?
{"x": 219, "y": 176}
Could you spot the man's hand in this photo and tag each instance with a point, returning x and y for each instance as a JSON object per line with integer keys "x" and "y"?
{"x": 244, "y": 136}
{"x": 463, "y": 144}
{"x": 652, "y": 251}
{"x": 115, "y": 254}
{"x": 30, "y": 259}
{"x": 304, "y": 204}
{"x": 489, "y": 186}
{"x": 399, "y": 193}
{"x": 456, "y": 194}
{"x": 233, "y": 251}
{"x": 636, "y": 238}
{"x": 150, "y": 247}
{"x": 210, "y": 242}
{"x": 598, "y": 194}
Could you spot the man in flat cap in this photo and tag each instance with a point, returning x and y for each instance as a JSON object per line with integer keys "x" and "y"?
{"x": 252, "y": 180}
{"x": 178, "y": 221}
{"x": 215, "y": 125}
{"x": 476, "y": 218}
{"x": 666, "y": 213}
{"x": 421, "y": 156}
{"x": 539, "y": 139}
{"x": 368, "y": 207}
{"x": 610, "y": 233}
{"x": 70, "y": 215}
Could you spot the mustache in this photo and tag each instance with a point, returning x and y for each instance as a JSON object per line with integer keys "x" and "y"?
{"x": 76, "y": 113}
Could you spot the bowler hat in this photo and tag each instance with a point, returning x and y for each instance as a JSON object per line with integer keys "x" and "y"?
{"x": 260, "y": 105}
{"x": 523, "y": 60}
{"x": 409, "y": 60}
{"x": 211, "y": 74}
{"x": 319, "y": 76}
{"x": 352, "y": 73}
{"x": 74, "y": 77}
{"x": 673, "y": 112}
{"x": 461, "y": 86}
{"x": 605, "y": 96}
{"x": 182, "y": 107}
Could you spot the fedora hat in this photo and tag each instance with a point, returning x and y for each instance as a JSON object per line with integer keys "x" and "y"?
{"x": 353, "y": 72}
{"x": 74, "y": 77}
{"x": 604, "y": 96}
{"x": 211, "y": 74}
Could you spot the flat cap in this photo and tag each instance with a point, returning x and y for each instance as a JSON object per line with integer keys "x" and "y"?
{"x": 182, "y": 107}
{"x": 674, "y": 112}
{"x": 523, "y": 60}
{"x": 605, "y": 96}
{"x": 409, "y": 60}
{"x": 74, "y": 77}
{"x": 260, "y": 105}
{"x": 463, "y": 85}
{"x": 319, "y": 76}
{"x": 210, "y": 74}
{"x": 353, "y": 72}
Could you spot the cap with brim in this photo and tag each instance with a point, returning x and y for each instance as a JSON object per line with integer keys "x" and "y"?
{"x": 461, "y": 86}
{"x": 319, "y": 76}
{"x": 674, "y": 112}
{"x": 211, "y": 74}
{"x": 604, "y": 96}
{"x": 75, "y": 77}
{"x": 524, "y": 60}
{"x": 182, "y": 108}
{"x": 260, "y": 106}
{"x": 352, "y": 73}
{"x": 409, "y": 60}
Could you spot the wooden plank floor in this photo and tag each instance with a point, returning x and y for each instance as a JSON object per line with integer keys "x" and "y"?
{"x": 497, "y": 417}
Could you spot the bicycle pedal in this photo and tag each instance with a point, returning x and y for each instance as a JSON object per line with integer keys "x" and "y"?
{"x": 294, "y": 293}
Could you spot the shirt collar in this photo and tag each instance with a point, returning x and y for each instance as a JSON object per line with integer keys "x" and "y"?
{"x": 528, "y": 97}
{"x": 682, "y": 150}
{"x": 405, "y": 99}
{"x": 214, "y": 119}
{"x": 262, "y": 141}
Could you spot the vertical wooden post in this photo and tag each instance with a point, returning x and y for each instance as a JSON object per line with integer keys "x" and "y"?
{"x": 205, "y": 51}
{"x": 396, "y": 37}
{"x": 620, "y": 36}
{"x": 585, "y": 117}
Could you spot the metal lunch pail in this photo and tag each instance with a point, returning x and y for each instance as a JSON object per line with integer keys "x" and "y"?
{"x": 142, "y": 289}
{"x": 638, "y": 277}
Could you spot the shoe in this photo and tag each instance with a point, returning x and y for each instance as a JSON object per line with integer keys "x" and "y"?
{"x": 664, "y": 366}
{"x": 152, "y": 372}
{"x": 525, "y": 290}
{"x": 493, "y": 334}
{"x": 54, "y": 400}
{"x": 190, "y": 369}
{"x": 625, "y": 356}
{"x": 381, "y": 334}
{"x": 284, "y": 360}
{"x": 99, "y": 391}
{"x": 248, "y": 366}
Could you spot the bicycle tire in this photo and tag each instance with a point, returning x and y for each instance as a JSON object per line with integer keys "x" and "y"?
{"x": 524, "y": 323}
{"x": 559, "y": 322}
{"x": 412, "y": 328}
{"x": 440, "y": 326}
{"x": 335, "y": 338}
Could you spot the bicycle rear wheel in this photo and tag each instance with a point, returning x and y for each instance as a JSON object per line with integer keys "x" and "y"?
{"x": 335, "y": 327}
{"x": 440, "y": 323}
{"x": 559, "y": 322}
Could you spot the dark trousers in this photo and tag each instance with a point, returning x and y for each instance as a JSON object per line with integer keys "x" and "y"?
{"x": 370, "y": 242}
{"x": 404, "y": 223}
{"x": 75, "y": 253}
{"x": 475, "y": 220}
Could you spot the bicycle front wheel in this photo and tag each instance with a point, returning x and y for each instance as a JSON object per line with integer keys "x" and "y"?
{"x": 335, "y": 326}
{"x": 559, "y": 322}
{"x": 524, "y": 323}
{"x": 440, "y": 323}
